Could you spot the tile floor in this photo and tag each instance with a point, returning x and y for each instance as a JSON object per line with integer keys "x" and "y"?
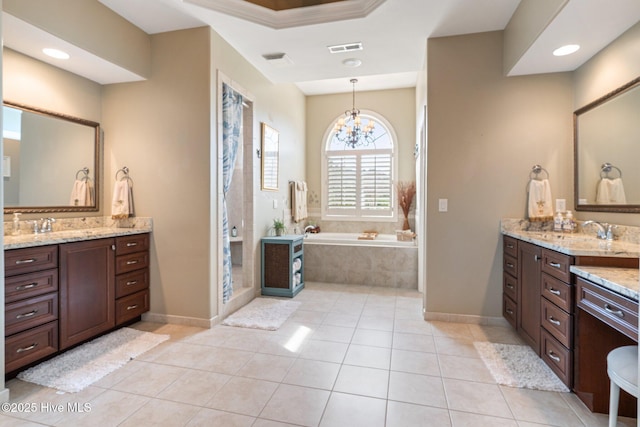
{"x": 350, "y": 356}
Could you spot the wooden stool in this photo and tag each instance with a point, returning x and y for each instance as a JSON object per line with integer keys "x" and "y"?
{"x": 622, "y": 368}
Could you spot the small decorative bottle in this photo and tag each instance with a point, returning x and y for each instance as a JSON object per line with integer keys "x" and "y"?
{"x": 234, "y": 231}
{"x": 16, "y": 224}
{"x": 557, "y": 221}
{"x": 568, "y": 224}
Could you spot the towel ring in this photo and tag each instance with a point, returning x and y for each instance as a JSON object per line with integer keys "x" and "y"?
{"x": 606, "y": 168}
{"x": 85, "y": 171}
{"x": 125, "y": 171}
{"x": 536, "y": 170}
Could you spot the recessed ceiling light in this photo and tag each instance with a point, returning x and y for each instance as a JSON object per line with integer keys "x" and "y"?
{"x": 352, "y": 62}
{"x": 55, "y": 53}
{"x": 566, "y": 50}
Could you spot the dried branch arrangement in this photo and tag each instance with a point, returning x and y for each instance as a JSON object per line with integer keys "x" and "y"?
{"x": 406, "y": 193}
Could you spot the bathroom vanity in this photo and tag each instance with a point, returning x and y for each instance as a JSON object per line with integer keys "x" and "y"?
{"x": 560, "y": 293}
{"x": 64, "y": 288}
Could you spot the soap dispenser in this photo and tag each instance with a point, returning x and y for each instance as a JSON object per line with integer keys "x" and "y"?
{"x": 16, "y": 224}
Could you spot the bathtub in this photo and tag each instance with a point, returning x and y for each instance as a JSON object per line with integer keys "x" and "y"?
{"x": 351, "y": 239}
{"x": 343, "y": 259}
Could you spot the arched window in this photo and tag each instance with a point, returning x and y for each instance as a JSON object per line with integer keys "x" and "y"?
{"x": 358, "y": 182}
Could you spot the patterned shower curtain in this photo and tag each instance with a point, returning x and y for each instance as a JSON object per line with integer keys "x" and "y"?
{"x": 231, "y": 127}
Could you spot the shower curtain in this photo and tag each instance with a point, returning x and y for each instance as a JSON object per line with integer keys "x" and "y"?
{"x": 231, "y": 126}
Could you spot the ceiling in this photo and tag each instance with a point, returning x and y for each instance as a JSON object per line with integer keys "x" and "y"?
{"x": 393, "y": 34}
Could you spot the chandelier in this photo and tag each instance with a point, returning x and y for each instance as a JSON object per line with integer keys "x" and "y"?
{"x": 349, "y": 130}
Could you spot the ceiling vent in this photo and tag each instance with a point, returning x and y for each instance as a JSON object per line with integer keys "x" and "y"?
{"x": 349, "y": 47}
{"x": 280, "y": 59}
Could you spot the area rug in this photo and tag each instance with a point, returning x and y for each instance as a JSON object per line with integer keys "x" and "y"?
{"x": 518, "y": 366}
{"x": 80, "y": 367}
{"x": 263, "y": 313}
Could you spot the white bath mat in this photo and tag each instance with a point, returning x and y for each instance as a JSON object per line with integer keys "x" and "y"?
{"x": 80, "y": 367}
{"x": 263, "y": 313}
{"x": 518, "y": 366}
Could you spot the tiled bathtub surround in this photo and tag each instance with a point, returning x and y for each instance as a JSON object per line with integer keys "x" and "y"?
{"x": 362, "y": 265}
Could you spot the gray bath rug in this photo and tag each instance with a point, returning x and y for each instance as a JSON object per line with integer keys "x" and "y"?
{"x": 263, "y": 313}
{"x": 80, "y": 367}
{"x": 518, "y": 366}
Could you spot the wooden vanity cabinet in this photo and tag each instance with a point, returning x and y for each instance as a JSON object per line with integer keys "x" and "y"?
{"x": 87, "y": 290}
{"x": 510, "y": 280}
{"x": 132, "y": 277}
{"x": 58, "y": 296}
{"x": 529, "y": 257}
{"x": 31, "y": 305}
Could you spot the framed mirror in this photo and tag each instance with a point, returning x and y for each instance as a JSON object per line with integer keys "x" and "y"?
{"x": 606, "y": 151}
{"x": 51, "y": 161}
{"x": 269, "y": 159}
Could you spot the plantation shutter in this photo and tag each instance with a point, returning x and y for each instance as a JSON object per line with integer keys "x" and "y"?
{"x": 375, "y": 182}
{"x": 342, "y": 182}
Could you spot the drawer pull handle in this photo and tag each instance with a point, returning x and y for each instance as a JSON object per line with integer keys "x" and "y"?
{"x": 554, "y": 291}
{"x": 131, "y": 307}
{"x": 29, "y": 314}
{"x": 509, "y": 311}
{"x": 509, "y": 285}
{"x": 553, "y": 356}
{"x": 25, "y": 261}
{"x": 23, "y": 349}
{"x": 131, "y": 282}
{"x": 613, "y": 311}
{"x": 135, "y": 261}
{"x": 555, "y": 264}
{"x": 510, "y": 265}
{"x": 27, "y": 286}
{"x": 509, "y": 245}
{"x": 131, "y": 244}
{"x": 554, "y": 321}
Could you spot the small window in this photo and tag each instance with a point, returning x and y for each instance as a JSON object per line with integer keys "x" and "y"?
{"x": 359, "y": 180}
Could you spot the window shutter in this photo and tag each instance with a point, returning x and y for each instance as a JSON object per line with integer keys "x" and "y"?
{"x": 375, "y": 182}
{"x": 342, "y": 182}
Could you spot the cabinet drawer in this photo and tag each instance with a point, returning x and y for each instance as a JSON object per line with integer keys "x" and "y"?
{"x": 557, "y": 292}
{"x": 130, "y": 244}
{"x": 614, "y": 310}
{"x": 510, "y": 246}
{"x": 557, "y": 322}
{"x": 509, "y": 310}
{"x": 556, "y": 265}
{"x": 30, "y": 346}
{"x": 510, "y": 265}
{"x": 129, "y": 283}
{"x": 131, "y": 262}
{"x": 30, "y": 285}
{"x": 18, "y": 261}
{"x": 510, "y": 286}
{"x": 26, "y": 314}
{"x": 557, "y": 357}
{"x": 132, "y": 306}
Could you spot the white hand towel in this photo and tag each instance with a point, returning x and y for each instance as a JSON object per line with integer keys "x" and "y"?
{"x": 539, "y": 204}
{"x": 610, "y": 192}
{"x": 79, "y": 194}
{"x": 299, "y": 201}
{"x": 122, "y": 202}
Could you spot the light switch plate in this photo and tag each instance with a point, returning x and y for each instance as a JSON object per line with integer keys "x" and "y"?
{"x": 275, "y": 204}
{"x": 561, "y": 205}
{"x": 443, "y": 205}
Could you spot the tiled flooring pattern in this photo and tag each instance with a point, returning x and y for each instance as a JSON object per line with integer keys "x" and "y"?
{"x": 350, "y": 356}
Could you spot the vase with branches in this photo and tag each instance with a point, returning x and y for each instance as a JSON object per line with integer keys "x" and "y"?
{"x": 406, "y": 193}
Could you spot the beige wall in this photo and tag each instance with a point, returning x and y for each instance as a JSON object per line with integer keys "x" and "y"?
{"x": 397, "y": 106}
{"x": 485, "y": 133}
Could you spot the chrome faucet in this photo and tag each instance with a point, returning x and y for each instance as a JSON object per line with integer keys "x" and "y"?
{"x": 43, "y": 226}
{"x": 308, "y": 228}
{"x": 604, "y": 231}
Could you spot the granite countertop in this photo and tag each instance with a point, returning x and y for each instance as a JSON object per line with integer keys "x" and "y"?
{"x": 95, "y": 230}
{"x": 624, "y": 281}
{"x": 576, "y": 244}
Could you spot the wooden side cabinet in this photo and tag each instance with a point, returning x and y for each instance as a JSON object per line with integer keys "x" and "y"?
{"x": 282, "y": 272}
{"x": 87, "y": 285}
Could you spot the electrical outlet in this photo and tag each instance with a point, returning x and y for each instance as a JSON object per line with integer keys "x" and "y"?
{"x": 561, "y": 205}
{"x": 443, "y": 205}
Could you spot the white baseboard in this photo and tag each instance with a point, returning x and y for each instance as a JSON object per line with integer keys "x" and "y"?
{"x": 180, "y": 320}
{"x": 466, "y": 318}
{"x": 4, "y": 395}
